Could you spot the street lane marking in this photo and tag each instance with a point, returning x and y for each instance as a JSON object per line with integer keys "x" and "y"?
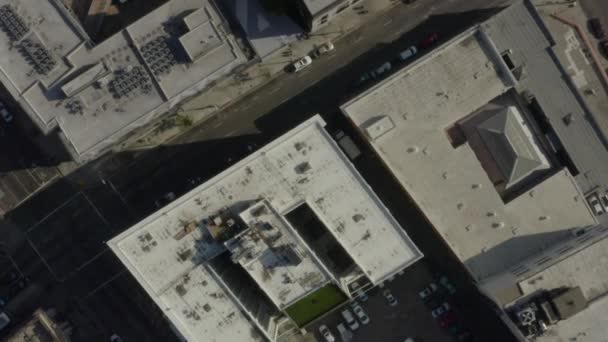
{"x": 388, "y": 22}
{"x": 274, "y": 90}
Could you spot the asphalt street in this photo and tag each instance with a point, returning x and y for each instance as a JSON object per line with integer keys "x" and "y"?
{"x": 93, "y": 288}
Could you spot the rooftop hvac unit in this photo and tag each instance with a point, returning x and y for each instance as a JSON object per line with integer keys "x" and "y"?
{"x": 526, "y": 316}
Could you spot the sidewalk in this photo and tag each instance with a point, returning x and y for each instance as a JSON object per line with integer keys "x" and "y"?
{"x": 232, "y": 88}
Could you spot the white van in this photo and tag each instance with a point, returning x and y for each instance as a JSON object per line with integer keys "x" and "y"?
{"x": 350, "y": 319}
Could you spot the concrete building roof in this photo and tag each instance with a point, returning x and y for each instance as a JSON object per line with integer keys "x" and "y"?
{"x": 40, "y": 328}
{"x": 303, "y": 166}
{"x": 96, "y": 95}
{"x": 511, "y": 144}
{"x": 407, "y": 120}
{"x": 276, "y": 259}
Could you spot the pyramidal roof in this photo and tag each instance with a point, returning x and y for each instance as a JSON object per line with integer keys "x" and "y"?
{"x": 511, "y": 145}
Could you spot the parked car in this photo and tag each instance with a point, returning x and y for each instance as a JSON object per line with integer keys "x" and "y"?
{"x": 382, "y": 69}
{"x": 595, "y": 205}
{"x": 430, "y": 40}
{"x": 445, "y": 282}
{"x": 604, "y": 201}
{"x": 345, "y": 334}
{"x": 390, "y": 299}
{"x": 5, "y": 114}
{"x": 447, "y": 320}
{"x": 357, "y": 291}
{"x": 440, "y": 310}
{"x": 428, "y": 291}
{"x": 324, "y": 330}
{"x": 604, "y": 47}
{"x": 4, "y": 320}
{"x": 408, "y": 53}
{"x": 361, "y": 315}
{"x": 301, "y": 63}
{"x": 350, "y": 319}
{"x": 597, "y": 28}
{"x": 348, "y": 145}
{"x": 323, "y": 49}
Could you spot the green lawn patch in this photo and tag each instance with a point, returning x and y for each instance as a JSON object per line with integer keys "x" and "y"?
{"x": 315, "y": 304}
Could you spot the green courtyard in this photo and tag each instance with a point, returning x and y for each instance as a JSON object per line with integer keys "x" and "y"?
{"x": 315, "y": 304}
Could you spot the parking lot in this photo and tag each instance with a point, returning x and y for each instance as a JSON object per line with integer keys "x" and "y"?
{"x": 409, "y": 318}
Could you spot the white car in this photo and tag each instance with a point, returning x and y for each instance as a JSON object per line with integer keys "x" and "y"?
{"x": 426, "y": 293}
{"x": 390, "y": 299}
{"x": 323, "y": 49}
{"x": 408, "y": 53}
{"x": 595, "y": 205}
{"x": 361, "y": 315}
{"x": 350, "y": 319}
{"x": 324, "y": 330}
{"x": 440, "y": 310}
{"x": 301, "y": 63}
{"x": 345, "y": 334}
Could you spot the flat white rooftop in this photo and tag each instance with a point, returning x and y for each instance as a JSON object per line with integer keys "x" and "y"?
{"x": 118, "y": 85}
{"x": 276, "y": 259}
{"x": 303, "y": 166}
{"x": 406, "y": 119}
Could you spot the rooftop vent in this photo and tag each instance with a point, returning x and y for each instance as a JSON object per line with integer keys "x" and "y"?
{"x": 12, "y": 24}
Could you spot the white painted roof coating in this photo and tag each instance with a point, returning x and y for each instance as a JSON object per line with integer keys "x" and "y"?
{"x": 448, "y": 183}
{"x": 331, "y": 187}
{"x": 94, "y": 117}
{"x": 278, "y": 261}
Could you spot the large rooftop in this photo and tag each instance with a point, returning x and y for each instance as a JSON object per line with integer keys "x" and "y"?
{"x": 408, "y": 119}
{"x": 303, "y": 166}
{"x": 96, "y": 95}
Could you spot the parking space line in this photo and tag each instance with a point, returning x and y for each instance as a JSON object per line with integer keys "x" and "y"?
{"x": 44, "y": 260}
{"x": 96, "y": 210}
{"x": 51, "y": 213}
{"x": 388, "y": 22}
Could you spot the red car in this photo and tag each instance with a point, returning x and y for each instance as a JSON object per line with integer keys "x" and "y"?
{"x": 429, "y": 40}
{"x": 448, "y": 319}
